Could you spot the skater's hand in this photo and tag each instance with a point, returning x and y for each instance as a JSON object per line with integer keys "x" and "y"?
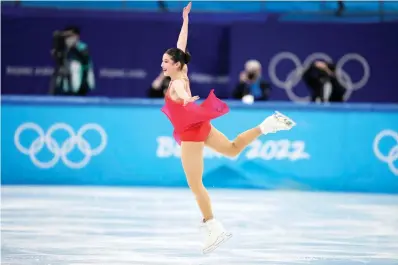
{"x": 191, "y": 99}
{"x": 186, "y": 11}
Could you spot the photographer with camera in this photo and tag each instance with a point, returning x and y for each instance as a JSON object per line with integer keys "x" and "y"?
{"x": 251, "y": 86}
{"x": 73, "y": 75}
{"x": 321, "y": 80}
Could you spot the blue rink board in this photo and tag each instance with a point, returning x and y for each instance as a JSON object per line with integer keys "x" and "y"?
{"x": 128, "y": 142}
{"x": 135, "y": 226}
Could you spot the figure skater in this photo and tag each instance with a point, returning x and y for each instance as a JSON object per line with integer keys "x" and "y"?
{"x": 193, "y": 130}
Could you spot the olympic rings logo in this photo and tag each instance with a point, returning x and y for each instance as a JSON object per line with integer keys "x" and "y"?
{"x": 294, "y": 77}
{"x": 60, "y": 151}
{"x": 392, "y": 155}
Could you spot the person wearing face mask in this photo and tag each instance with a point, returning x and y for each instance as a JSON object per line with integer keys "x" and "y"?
{"x": 251, "y": 86}
{"x": 74, "y": 75}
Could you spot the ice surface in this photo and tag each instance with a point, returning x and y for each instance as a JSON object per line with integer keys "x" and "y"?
{"x": 137, "y": 226}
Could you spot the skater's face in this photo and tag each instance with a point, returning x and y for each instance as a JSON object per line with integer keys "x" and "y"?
{"x": 169, "y": 67}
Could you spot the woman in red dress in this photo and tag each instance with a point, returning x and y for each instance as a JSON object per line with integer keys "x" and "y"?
{"x": 193, "y": 130}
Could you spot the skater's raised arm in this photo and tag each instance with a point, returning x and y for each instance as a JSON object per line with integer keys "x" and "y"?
{"x": 183, "y": 37}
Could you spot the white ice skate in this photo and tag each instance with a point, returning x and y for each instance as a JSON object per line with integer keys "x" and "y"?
{"x": 215, "y": 235}
{"x": 276, "y": 122}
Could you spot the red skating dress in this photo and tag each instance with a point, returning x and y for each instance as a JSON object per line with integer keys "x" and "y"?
{"x": 192, "y": 122}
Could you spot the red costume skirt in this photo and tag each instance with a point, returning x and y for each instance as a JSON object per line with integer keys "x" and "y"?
{"x": 192, "y": 122}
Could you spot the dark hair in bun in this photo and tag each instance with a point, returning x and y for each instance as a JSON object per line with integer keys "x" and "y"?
{"x": 187, "y": 57}
{"x": 177, "y": 55}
